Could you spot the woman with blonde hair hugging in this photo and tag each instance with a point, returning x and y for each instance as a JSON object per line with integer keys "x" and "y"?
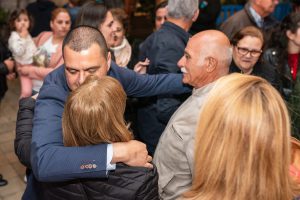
{"x": 93, "y": 114}
{"x": 242, "y": 146}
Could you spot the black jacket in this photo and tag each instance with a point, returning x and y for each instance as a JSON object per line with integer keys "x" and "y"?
{"x": 24, "y": 130}
{"x": 263, "y": 70}
{"x": 290, "y": 89}
{"x": 4, "y": 54}
{"x": 271, "y": 57}
{"x": 126, "y": 183}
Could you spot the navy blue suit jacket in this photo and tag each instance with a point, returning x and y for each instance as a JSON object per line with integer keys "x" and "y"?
{"x": 50, "y": 160}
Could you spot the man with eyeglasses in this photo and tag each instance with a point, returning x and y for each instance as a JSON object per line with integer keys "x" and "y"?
{"x": 255, "y": 13}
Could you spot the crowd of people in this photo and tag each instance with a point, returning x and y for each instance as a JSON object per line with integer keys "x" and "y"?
{"x": 215, "y": 110}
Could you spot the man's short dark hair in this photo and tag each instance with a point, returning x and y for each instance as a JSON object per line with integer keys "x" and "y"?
{"x": 82, "y": 38}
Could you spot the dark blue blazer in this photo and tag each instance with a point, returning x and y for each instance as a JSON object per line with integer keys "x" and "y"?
{"x": 163, "y": 48}
{"x": 50, "y": 160}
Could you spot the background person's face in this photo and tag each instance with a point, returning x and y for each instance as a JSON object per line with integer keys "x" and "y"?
{"x": 61, "y": 24}
{"x": 107, "y": 29}
{"x": 160, "y": 17}
{"x": 192, "y": 64}
{"x": 79, "y": 65}
{"x": 118, "y": 34}
{"x": 22, "y": 22}
{"x": 246, "y": 62}
{"x": 268, "y": 6}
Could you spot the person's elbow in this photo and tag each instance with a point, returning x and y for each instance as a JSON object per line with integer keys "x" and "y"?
{"x": 37, "y": 163}
{"x": 23, "y": 153}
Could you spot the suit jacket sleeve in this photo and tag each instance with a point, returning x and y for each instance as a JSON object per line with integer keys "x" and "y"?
{"x": 144, "y": 85}
{"x": 165, "y": 85}
{"x": 24, "y": 130}
{"x": 50, "y": 159}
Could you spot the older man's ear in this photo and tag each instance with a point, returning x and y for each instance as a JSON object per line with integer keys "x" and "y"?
{"x": 212, "y": 63}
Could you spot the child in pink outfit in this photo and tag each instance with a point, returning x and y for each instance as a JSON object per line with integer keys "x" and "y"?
{"x": 22, "y": 46}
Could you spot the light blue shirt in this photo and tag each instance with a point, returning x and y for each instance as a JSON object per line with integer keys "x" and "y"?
{"x": 257, "y": 18}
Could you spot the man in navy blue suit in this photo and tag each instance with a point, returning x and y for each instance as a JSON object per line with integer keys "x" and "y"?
{"x": 85, "y": 53}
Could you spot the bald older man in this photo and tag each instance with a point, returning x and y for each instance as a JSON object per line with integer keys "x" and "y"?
{"x": 207, "y": 57}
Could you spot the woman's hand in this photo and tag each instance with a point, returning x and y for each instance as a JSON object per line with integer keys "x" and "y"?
{"x": 24, "y": 70}
{"x": 141, "y": 67}
{"x": 10, "y": 65}
{"x": 11, "y": 76}
{"x": 23, "y": 32}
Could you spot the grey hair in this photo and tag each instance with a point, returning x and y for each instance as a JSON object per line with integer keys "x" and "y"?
{"x": 182, "y": 8}
{"x": 223, "y": 54}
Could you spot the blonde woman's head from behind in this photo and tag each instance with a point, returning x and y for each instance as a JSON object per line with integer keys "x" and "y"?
{"x": 242, "y": 143}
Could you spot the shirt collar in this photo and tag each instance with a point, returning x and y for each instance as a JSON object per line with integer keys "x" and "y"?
{"x": 203, "y": 90}
{"x": 257, "y": 18}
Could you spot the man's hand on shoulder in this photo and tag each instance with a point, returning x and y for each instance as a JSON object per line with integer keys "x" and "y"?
{"x": 132, "y": 153}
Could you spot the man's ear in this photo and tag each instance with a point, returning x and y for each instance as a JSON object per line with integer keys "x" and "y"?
{"x": 211, "y": 64}
{"x": 108, "y": 60}
{"x": 289, "y": 35}
{"x": 51, "y": 24}
{"x": 196, "y": 14}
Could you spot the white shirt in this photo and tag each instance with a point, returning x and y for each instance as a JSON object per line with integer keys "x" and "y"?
{"x": 50, "y": 48}
{"x": 22, "y": 48}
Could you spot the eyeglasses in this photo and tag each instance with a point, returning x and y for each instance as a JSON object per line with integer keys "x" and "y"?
{"x": 245, "y": 51}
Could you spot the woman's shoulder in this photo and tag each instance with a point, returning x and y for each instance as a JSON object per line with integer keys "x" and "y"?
{"x": 13, "y": 36}
{"x": 140, "y": 174}
{"x": 14, "y": 33}
{"x": 43, "y": 37}
{"x": 45, "y": 33}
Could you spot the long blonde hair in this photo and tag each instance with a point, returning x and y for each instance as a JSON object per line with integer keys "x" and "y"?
{"x": 94, "y": 113}
{"x": 242, "y": 148}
